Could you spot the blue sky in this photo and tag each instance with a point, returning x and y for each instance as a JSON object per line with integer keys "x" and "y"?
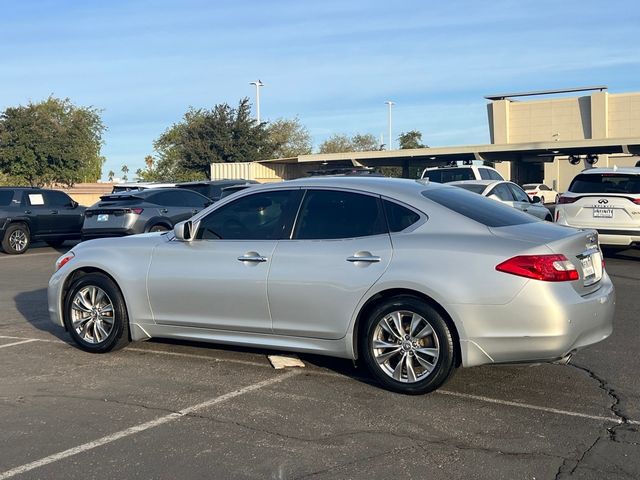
{"x": 331, "y": 63}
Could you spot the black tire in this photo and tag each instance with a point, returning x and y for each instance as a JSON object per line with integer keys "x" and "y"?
{"x": 548, "y": 218}
{"x": 118, "y": 335}
{"x": 159, "y": 228}
{"x": 542, "y": 200}
{"x": 444, "y": 365}
{"x": 17, "y": 239}
{"x": 55, "y": 243}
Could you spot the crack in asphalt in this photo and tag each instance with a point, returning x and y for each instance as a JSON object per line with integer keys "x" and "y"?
{"x": 611, "y": 435}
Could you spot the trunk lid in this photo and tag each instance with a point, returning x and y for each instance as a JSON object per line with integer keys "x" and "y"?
{"x": 579, "y": 246}
{"x": 603, "y": 211}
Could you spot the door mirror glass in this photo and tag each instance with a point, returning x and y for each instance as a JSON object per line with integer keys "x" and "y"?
{"x": 182, "y": 231}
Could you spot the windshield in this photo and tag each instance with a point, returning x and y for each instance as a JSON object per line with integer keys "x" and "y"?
{"x": 606, "y": 183}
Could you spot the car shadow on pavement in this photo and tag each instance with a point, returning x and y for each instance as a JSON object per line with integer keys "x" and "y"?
{"x": 33, "y": 306}
{"x": 632, "y": 254}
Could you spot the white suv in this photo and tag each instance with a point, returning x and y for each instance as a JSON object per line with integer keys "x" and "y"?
{"x": 607, "y": 199}
{"x": 464, "y": 172}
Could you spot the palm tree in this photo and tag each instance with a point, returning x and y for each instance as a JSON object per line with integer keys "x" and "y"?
{"x": 111, "y": 174}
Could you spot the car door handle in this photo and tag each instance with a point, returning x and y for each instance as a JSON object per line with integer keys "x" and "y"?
{"x": 256, "y": 258}
{"x": 28, "y": 212}
{"x": 364, "y": 258}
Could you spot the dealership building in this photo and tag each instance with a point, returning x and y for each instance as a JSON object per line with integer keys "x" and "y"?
{"x": 539, "y": 136}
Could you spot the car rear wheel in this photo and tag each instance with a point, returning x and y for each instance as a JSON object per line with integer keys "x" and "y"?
{"x": 95, "y": 314}
{"x": 159, "y": 228}
{"x": 17, "y": 239}
{"x": 542, "y": 200}
{"x": 407, "y": 346}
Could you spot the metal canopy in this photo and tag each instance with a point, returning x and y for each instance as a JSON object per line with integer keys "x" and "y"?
{"x": 503, "y": 96}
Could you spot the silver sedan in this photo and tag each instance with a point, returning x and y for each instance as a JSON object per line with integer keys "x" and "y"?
{"x": 508, "y": 193}
{"x": 412, "y": 279}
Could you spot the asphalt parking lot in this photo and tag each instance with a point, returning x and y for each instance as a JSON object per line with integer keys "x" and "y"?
{"x": 182, "y": 410}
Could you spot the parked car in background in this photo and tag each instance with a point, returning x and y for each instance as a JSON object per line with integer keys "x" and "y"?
{"x": 457, "y": 173}
{"x": 412, "y": 278}
{"x": 140, "y": 211}
{"x": 213, "y": 189}
{"x": 607, "y": 199}
{"x": 226, "y": 191}
{"x": 546, "y": 194}
{"x": 508, "y": 193}
{"x": 127, "y": 187}
{"x": 30, "y": 214}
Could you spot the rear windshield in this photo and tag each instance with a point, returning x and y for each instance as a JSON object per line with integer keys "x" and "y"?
{"x": 5, "y": 197}
{"x": 447, "y": 175}
{"x": 530, "y": 186}
{"x": 605, "y": 183}
{"x": 472, "y": 187}
{"x": 478, "y": 208}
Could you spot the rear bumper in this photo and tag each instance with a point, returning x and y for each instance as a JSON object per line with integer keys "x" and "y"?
{"x": 91, "y": 233}
{"x": 543, "y": 323}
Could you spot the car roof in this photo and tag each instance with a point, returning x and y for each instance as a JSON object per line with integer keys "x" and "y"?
{"x": 626, "y": 170}
{"x": 224, "y": 181}
{"x": 486, "y": 183}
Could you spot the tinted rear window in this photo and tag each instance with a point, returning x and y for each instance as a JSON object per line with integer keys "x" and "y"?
{"x": 399, "y": 217}
{"x": 447, "y": 175}
{"x": 605, "y": 183}
{"x": 478, "y": 208}
{"x": 5, "y": 197}
{"x": 473, "y": 187}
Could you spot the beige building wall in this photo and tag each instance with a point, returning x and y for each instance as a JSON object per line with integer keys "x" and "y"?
{"x": 596, "y": 116}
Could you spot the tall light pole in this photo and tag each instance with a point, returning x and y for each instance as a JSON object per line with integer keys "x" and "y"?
{"x": 258, "y": 84}
{"x": 389, "y": 103}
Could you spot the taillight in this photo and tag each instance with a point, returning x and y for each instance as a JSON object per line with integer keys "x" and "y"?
{"x": 636, "y": 201}
{"x": 136, "y": 210}
{"x": 62, "y": 261}
{"x": 564, "y": 199}
{"x": 548, "y": 268}
{"x": 533, "y": 193}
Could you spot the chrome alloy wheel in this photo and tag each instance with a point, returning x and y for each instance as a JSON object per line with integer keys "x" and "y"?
{"x": 18, "y": 240}
{"x": 405, "y": 346}
{"x": 92, "y": 314}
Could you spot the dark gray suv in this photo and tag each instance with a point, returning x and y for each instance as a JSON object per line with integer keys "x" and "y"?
{"x": 30, "y": 214}
{"x": 140, "y": 211}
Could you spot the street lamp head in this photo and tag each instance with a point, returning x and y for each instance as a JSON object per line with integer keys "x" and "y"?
{"x": 389, "y": 102}
{"x": 257, "y": 83}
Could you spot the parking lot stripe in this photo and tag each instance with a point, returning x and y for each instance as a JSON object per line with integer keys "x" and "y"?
{"x": 29, "y": 255}
{"x": 534, "y": 407}
{"x": 144, "y": 426}
{"x": 18, "y": 343}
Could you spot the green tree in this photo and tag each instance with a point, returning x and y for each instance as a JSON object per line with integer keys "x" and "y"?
{"x": 289, "y": 138}
{"x": 222, "y": 134}
{"x": 339, "y": 143}
{"x": 111, "y": 174}
{"x": 411, "y": 139}
{"x": 49, "y": 142}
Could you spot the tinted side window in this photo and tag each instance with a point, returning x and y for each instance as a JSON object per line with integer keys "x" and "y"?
{"x": 493, "y": 175}
{"x": 478, "y": 208}
{"x": 167, "y": 199}
{"x": 502, "y": 192}
{"x": 399, "y": 217}
{"x": 329, "y": 214}
{"x": 192, "y": 199}
{"x": 33, "y": 198}
{"x": 263, "y": 216}
{"x": 485, "y": 174}
{"x": 6, "y": 196}
{"x": 447, "y": 175}
{"x": 519, "y": 194}
{"x": 57, "y": 199}
{"x": 545, "y": 188}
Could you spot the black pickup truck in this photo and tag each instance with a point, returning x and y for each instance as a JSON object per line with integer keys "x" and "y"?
{"x": 29, "y": 214}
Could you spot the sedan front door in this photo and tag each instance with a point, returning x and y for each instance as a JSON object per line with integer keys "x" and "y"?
{"x": 219, "y": 279}
{"x": 339, "y": 249}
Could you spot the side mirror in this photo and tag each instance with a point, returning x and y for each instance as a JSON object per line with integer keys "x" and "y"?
{"x": 182, "y": 231}
{"x": 536, "y": 199}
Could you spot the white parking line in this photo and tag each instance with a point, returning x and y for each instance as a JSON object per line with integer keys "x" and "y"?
{"x": 18, "y": 343}
{"x": 468, "y": 396}
{"x": 29, "y": 255}
{"x": 144, "y": 426}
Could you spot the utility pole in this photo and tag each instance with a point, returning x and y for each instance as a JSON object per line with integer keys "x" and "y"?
{"x": 258, "y": 84}
{"x": 389, "y": 103}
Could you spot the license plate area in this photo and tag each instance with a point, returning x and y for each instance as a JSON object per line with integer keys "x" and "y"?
{"x": 103, "y": 217}
{"x": 591, "y": 263}
{"x": 603, "y": 212}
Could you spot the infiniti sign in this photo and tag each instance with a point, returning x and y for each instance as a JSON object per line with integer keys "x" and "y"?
{"x": 603, "y": 200}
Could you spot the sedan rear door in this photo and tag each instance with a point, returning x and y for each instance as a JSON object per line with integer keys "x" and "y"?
{"x": 340, "y": 247}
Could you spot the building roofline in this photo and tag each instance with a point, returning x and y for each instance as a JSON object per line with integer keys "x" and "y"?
{"x": 504, "y": 96}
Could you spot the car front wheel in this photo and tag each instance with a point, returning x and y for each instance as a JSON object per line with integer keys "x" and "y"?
{"x": 407, "y": 346}
{"x": 95, "y": 314}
